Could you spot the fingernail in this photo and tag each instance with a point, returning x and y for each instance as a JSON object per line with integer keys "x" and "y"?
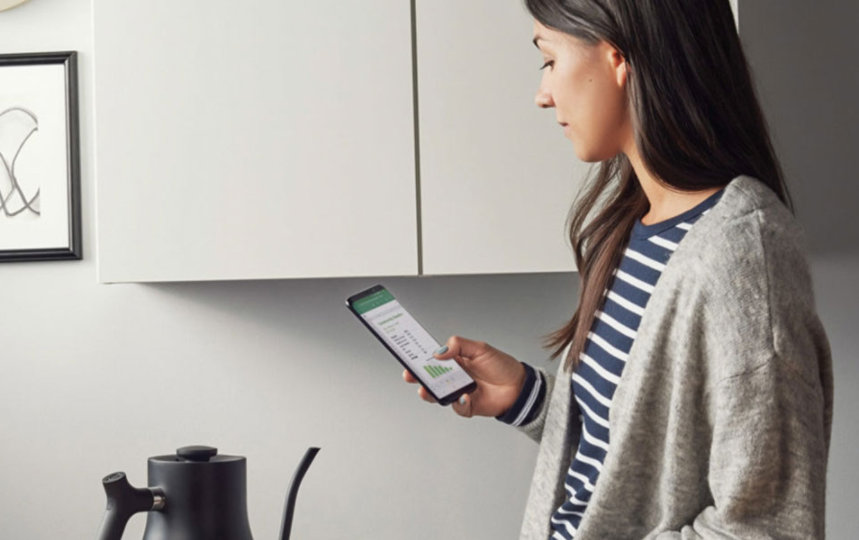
{"x": 462, "y": 400}
{"x": 441, "y": 350}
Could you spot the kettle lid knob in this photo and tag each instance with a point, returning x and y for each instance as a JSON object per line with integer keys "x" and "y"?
{"x": 197, "y": 453}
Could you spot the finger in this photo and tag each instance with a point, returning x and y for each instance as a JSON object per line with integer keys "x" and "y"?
{"x": 426, "y": 396}
{"x": 460, "y": 347}
{"x": 462, "y": 406}
{"x": 408, "y": 377}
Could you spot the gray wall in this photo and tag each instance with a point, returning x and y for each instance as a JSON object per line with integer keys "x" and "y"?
{"x": 801, "y": 56}
{"x": 97, "y": 378}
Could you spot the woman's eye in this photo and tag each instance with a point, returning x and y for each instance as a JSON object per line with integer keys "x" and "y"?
{"x": 549, "y": 63}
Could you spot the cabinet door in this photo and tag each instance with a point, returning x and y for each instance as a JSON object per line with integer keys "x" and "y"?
{"x": 257, "y": 139}
{"x": 497, "y": 175}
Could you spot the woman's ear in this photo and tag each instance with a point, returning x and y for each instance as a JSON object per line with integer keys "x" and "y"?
{"x": 619, "y": 65}
{"x": 622, "y": 73}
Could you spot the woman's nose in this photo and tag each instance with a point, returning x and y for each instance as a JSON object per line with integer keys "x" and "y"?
{"x": 544, "y": 99}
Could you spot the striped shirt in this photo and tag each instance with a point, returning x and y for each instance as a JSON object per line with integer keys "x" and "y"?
{"x": 602, "y": 361}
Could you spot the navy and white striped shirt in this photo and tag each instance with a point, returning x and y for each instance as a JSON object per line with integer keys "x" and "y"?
{"x": 602, "y": 361}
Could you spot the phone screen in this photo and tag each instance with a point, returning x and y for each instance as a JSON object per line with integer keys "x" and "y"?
{"x": 413, "y": 345}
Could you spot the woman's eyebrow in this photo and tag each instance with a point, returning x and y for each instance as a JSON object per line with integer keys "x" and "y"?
{"x": 536, "y": 39}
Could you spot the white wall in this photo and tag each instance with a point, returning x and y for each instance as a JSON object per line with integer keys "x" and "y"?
{"x": 96, "y": 378}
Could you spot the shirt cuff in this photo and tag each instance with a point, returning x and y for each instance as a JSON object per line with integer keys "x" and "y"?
{"x": 527, "y": 405}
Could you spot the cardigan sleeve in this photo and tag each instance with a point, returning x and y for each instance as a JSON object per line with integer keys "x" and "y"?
{"x": 536, "y": 423}
{"x": 767, "y": 458}
{"x": 770, "y": 412}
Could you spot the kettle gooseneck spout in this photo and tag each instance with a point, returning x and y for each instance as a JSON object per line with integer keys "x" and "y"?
{"x": 123, "y": 501}
{"x": 286, "y": 526}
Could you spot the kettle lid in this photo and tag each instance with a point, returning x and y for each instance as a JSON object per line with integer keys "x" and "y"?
{"x": 197, "y": 454}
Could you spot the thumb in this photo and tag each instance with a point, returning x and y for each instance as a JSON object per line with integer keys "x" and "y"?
{"x": 462, "y": 406}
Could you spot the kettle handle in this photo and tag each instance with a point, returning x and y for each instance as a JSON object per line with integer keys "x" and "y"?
{"x": 286, "y": 526}
{"x": 123, "y": 501}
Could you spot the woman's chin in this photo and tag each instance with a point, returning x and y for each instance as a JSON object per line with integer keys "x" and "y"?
{"x": 584, "y": 155}
{"x": 591, "y": 155}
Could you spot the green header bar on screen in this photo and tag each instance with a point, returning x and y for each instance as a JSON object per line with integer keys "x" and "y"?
{"x": 372, "y": 301}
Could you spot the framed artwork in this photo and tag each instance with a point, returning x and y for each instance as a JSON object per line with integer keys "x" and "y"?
{"x": 40, "y": 215}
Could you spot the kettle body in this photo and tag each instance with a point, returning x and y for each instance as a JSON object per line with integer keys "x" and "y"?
{"x": 206, "y": 496}
{"x": 195, "y": 494}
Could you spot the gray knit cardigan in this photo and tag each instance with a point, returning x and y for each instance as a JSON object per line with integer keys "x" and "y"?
{"x": 721, "y": 421}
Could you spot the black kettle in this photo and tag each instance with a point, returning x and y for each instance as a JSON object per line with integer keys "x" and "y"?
{"x": 195, "y": 494}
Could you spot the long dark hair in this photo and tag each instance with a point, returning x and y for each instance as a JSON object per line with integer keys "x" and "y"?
{"x": 695, "y": 115}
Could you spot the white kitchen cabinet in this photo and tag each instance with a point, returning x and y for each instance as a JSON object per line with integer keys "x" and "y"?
{"x": 277, "y": 140}
{"x": 254, "y": 140}
{"x": 497, "y": 175}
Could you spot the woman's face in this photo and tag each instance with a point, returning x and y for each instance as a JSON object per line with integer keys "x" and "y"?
{"x": 586, "y": 85}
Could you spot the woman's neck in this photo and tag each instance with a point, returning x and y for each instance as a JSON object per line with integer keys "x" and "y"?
{"x": 665, "y": 201}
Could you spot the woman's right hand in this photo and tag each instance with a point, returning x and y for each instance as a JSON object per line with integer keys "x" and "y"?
{"x": 499, "y": 377}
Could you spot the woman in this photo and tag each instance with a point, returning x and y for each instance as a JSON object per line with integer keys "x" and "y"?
{"x": 707, "y": 414}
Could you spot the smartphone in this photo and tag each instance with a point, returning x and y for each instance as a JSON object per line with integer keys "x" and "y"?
{"x": 413, "y": 346}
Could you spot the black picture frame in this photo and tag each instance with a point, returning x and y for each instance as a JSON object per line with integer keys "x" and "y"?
{"x": 40, "y": 83}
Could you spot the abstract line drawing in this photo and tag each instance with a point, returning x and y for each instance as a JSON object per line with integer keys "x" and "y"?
{"x": 17, "y": 126}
